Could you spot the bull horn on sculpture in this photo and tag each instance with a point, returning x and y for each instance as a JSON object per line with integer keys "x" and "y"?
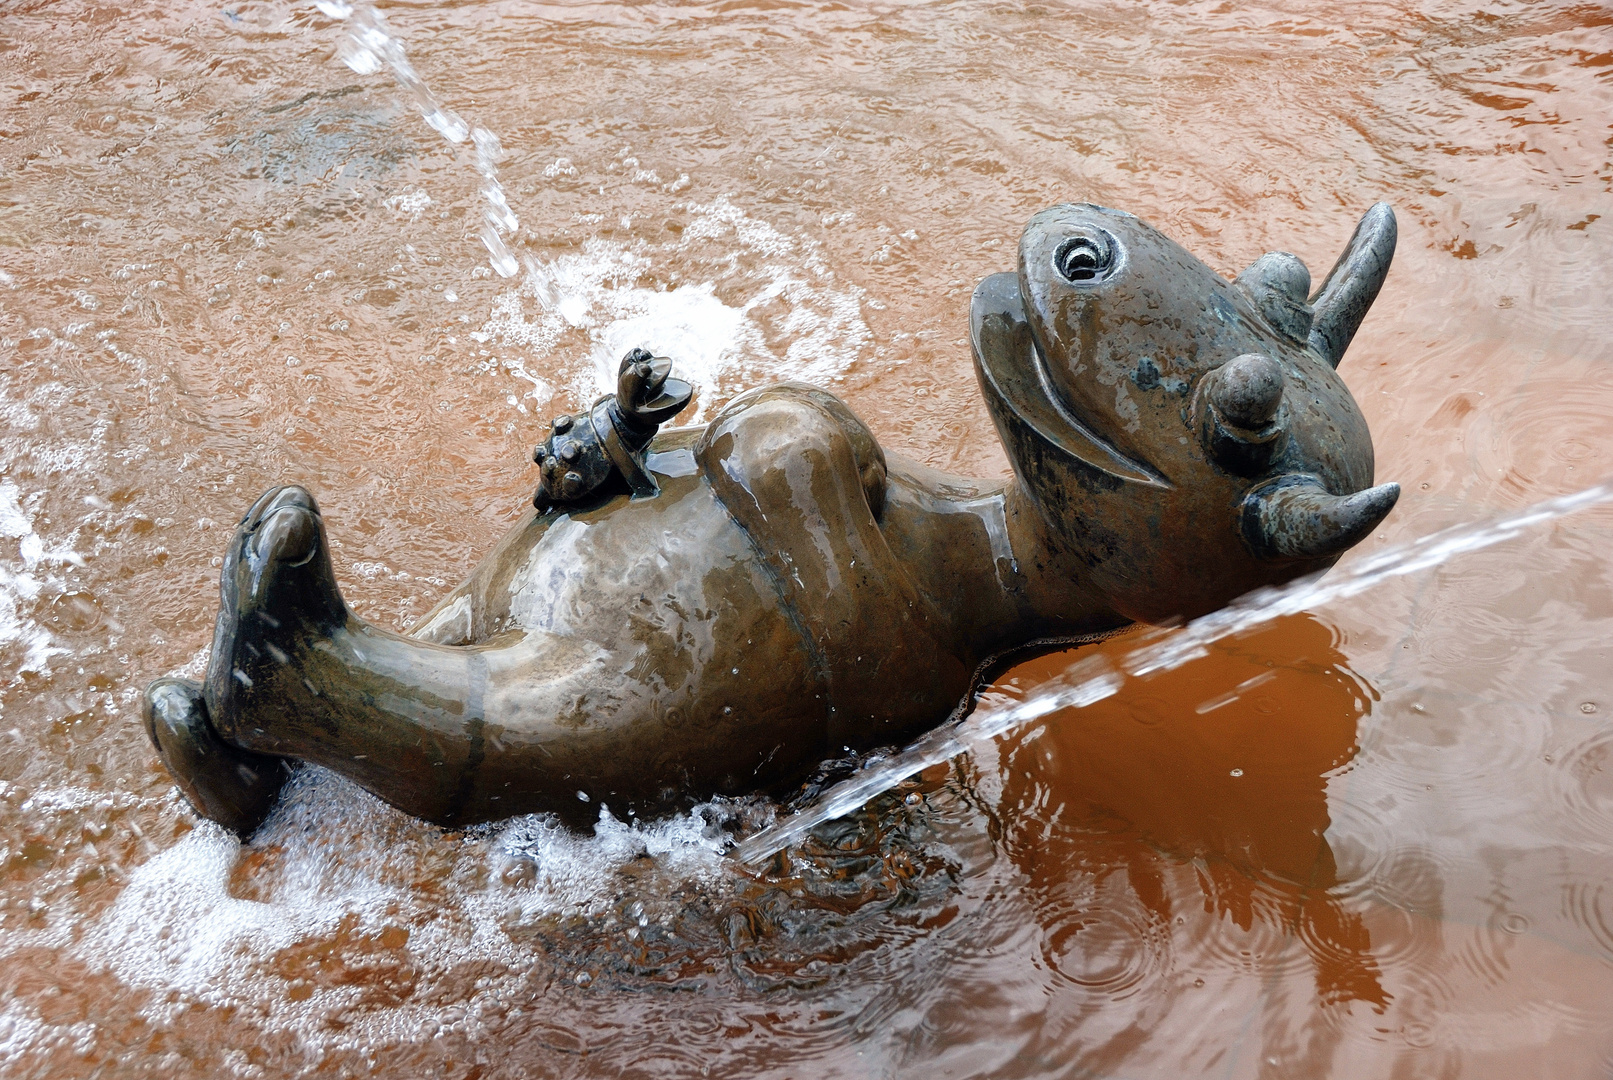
{"x": 1347, "y": 294}
{"x": 718, "y": 609}
{"x": 1295, "y": 517}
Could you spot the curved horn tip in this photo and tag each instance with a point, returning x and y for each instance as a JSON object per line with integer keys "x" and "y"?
{"x": 1305, "y": 521}
{"x": 1349, "y": 289}
{"x": 1373, "y": 505}
{"x": 1377, "y": 211}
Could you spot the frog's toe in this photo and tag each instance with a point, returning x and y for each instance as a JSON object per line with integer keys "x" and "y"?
{"x": 222, "y": 783}
{"x": 278, "y": 599}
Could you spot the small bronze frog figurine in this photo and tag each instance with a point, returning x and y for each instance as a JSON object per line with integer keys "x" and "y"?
{"x": 718, "y": 609}
{"x": 611, "y": 440}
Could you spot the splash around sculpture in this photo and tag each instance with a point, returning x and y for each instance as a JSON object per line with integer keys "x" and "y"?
{"x": 719, "y": 609}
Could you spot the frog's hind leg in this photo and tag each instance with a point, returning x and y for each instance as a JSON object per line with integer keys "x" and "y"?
{"x": 223, "y": 783}
{"x": 278, "y": 595}
{"x": 449, "y": 733}
{"x": 294, "y": 674}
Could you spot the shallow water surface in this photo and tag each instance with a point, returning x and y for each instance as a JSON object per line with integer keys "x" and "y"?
{"x": 1372, "y": 840}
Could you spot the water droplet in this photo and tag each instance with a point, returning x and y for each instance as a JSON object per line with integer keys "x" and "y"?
{"x": 1237, "y": 772}
{"x": 362, "y": 60}
{"x": 1587, "y": 707}
{"x": 1418, "y": 1035}
{"x": 913, "y": 798}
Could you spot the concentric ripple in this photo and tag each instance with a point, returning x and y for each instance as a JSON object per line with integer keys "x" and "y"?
{"x": 1106, "y": 942}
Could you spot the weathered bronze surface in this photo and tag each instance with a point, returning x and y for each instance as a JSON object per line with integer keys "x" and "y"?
{"x": 718, "y": 609}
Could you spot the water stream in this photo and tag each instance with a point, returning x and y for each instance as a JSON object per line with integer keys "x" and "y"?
{"x": 367, "y": 47}
{"x": 1089, "y": 681}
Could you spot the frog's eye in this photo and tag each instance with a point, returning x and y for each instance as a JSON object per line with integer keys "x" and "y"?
{"x": 1085, "y": 259}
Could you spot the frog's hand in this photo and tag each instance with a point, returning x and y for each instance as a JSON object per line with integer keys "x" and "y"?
{"x": 805, "y": 481}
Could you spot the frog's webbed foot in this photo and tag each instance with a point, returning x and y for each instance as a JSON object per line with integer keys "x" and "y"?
{"x": 279, "y": 601}
{"x": 222, "y": 783}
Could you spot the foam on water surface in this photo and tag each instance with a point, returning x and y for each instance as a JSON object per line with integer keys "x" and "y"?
{"x": 22, "y": 583}
{"x": 763, "y": 307}
{"x": 336, "y": 870}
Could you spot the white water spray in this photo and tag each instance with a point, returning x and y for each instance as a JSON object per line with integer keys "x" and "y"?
{"x": 1093, "y": 679}
{"x": 367, "y": 47}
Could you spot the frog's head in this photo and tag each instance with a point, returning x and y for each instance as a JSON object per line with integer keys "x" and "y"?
{"x": 1186, "y": 437}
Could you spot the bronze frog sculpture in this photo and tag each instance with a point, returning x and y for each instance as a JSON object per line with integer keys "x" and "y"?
{"x": 719, "y": 609}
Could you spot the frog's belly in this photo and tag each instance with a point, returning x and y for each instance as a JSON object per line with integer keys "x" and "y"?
{"x": 682, "y": 666}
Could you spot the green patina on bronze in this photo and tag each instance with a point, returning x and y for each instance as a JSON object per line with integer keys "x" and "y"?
{"x": 719, "y": 609}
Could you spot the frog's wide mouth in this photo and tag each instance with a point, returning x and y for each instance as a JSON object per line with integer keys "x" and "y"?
{"x": 1013, "y": 369}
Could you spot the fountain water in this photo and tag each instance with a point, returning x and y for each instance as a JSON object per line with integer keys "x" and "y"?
{"x": 199, "y": 193}
{"x": 367, "y": 47}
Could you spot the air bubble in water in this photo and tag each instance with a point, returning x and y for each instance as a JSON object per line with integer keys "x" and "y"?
{"x": 519, "y": 871}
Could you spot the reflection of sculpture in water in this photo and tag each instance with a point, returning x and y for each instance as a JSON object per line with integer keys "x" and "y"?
{"x": 1172, "y": 773}
{"x": 718, "y": 609}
